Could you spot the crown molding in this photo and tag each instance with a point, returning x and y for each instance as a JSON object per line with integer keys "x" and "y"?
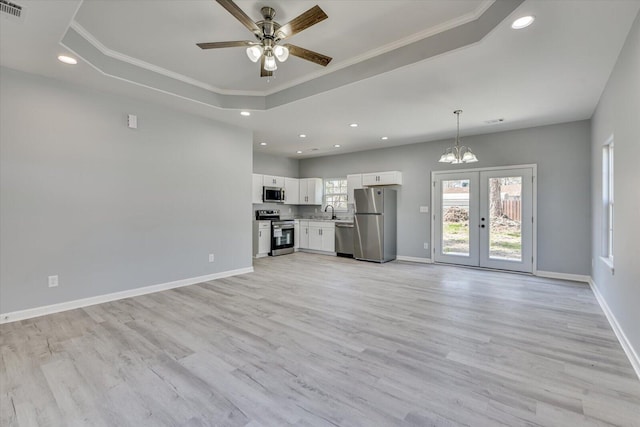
{"x": 421, "y": 35}
{"x": 84, "y": 33}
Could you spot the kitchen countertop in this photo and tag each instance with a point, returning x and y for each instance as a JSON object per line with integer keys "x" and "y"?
{"x": 348, "y": 221}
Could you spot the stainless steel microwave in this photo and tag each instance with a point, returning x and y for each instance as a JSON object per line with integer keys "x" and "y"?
{"x": 272, "y": 195}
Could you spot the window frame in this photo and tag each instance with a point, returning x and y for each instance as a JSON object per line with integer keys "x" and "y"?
{"x": 608, "y": 202}
{"x": 343, "y": 181}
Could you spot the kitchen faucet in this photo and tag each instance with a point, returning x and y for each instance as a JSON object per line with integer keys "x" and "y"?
{"x": 333, "y": 211}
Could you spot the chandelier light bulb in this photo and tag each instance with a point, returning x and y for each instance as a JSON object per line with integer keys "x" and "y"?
{"x": 254, "y": 53}
{"x": 469, "y": 157}
{"x": 281, "y": 52}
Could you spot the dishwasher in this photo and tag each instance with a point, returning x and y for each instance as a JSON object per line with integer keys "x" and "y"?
{"x": 344, "y": 239}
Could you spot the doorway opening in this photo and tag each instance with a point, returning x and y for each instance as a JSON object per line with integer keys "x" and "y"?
{"x": 485, "y": 217}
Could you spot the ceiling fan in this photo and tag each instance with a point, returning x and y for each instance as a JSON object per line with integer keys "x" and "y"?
{"x": 269, "y": 34}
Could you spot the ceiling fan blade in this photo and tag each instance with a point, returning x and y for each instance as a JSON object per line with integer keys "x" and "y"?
{"x": 217, "y": 45}
{"x": 238, "y": 13}
{"x": 302, "y": 22}
{"x": 309, "y": 55}
{"x": 263, "y": 72}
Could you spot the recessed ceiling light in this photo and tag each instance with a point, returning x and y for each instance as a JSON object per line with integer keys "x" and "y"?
{"x": 67, "y": 60}
{"x": 354, "y": 125}
{"x": 384, "y": 138}
{"x": 263, "y": 143}
{"x": 302, "y": 135}
{"x": 299, "y": 152}
{"x": 245, "y": 113}
{"x": 336, "y": 145}
{"x": 523, "y": 22}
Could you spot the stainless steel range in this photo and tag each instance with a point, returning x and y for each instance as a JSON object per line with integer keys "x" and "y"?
{"x": 282, "y": 231}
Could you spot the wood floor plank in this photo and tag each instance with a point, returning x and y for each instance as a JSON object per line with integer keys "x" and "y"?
{"x": 310, "y": 340}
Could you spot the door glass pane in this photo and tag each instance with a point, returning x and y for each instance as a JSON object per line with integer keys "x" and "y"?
{"x": 505, "y": 218}
{"x": 455, "y": 217}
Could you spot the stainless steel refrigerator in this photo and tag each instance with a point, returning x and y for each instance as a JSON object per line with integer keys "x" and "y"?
{"x": 375, "y": 224}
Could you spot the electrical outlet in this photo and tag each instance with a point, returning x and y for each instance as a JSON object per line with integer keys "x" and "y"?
{"x": 53, "y": 281}
{"x": 424, "y": 209}
{"x": 212, "y": 257}
{"x": 426, "y": 245}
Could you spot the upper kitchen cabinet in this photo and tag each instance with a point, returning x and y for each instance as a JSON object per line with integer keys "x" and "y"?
{"x": 291, "y": 191}
{"x": 273, "y": 181}
{"x": 353, "y": 183}
{"x": 256, "y": 189}
{"x": 310, "y": 191}
{"x": 382, "y": 178}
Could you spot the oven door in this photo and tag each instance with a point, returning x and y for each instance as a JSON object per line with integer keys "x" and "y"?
{"x": 282, "y": 235}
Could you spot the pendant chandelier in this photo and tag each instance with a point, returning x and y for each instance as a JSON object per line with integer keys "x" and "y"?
{"x": 458, "y": 153}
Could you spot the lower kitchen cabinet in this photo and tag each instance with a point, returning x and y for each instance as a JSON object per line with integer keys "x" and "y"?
{"x": 317, "y": 235}
{"x": 304, "y": 235}
{"x": 322, "y": 236}
{"x": 261, "y": 238}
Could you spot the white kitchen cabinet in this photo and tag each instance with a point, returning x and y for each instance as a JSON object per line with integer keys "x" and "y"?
{"x": 261, "y": 238}
{"x": 296, "y": 235}
{"x": 322, "y": 236}
{"x": 304, "y": 235}
{"x": 315, "y": 238}
{"x": 382, "y": 178}
{"x": 291, "y": 191}
{"x": 273, "y": 181}
{"x": 354, "y": 182}
{"x": 310, "y": 191}
{"x": 256, "y": 187}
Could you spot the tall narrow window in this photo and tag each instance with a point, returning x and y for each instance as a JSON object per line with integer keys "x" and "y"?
{"x": 335, "y": 193}
{"x": 607, "y": 201}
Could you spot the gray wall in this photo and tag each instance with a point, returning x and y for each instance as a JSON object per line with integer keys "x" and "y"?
{"x": 268, "y": 164}
{"x": 618, "y": 114}
{"x": 560, "y": 151}
{"x": 109, "y": 208}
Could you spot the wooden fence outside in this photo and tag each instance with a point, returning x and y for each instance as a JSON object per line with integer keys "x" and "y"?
{"x": 512, "y": 209}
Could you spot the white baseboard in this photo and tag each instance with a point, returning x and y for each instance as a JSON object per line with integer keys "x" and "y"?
{"x": 414, "y": 259}
{"x": 14, "y": 316}
{"x": 563, "y": 276}
{"x": 631, "y": 353}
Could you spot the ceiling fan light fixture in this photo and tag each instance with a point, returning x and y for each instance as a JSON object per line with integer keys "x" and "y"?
{"x": 281, "y": 52}
{"x": 254, "y": 52}
{"x": 270, "y": 63}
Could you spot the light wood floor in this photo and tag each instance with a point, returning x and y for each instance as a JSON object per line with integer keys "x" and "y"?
{"x": 311, "y": 340}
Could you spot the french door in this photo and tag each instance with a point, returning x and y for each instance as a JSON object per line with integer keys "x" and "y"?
{"x": 485, "y": 218}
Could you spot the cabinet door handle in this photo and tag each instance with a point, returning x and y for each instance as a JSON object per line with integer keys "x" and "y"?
{"x": 259, "y": 233}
